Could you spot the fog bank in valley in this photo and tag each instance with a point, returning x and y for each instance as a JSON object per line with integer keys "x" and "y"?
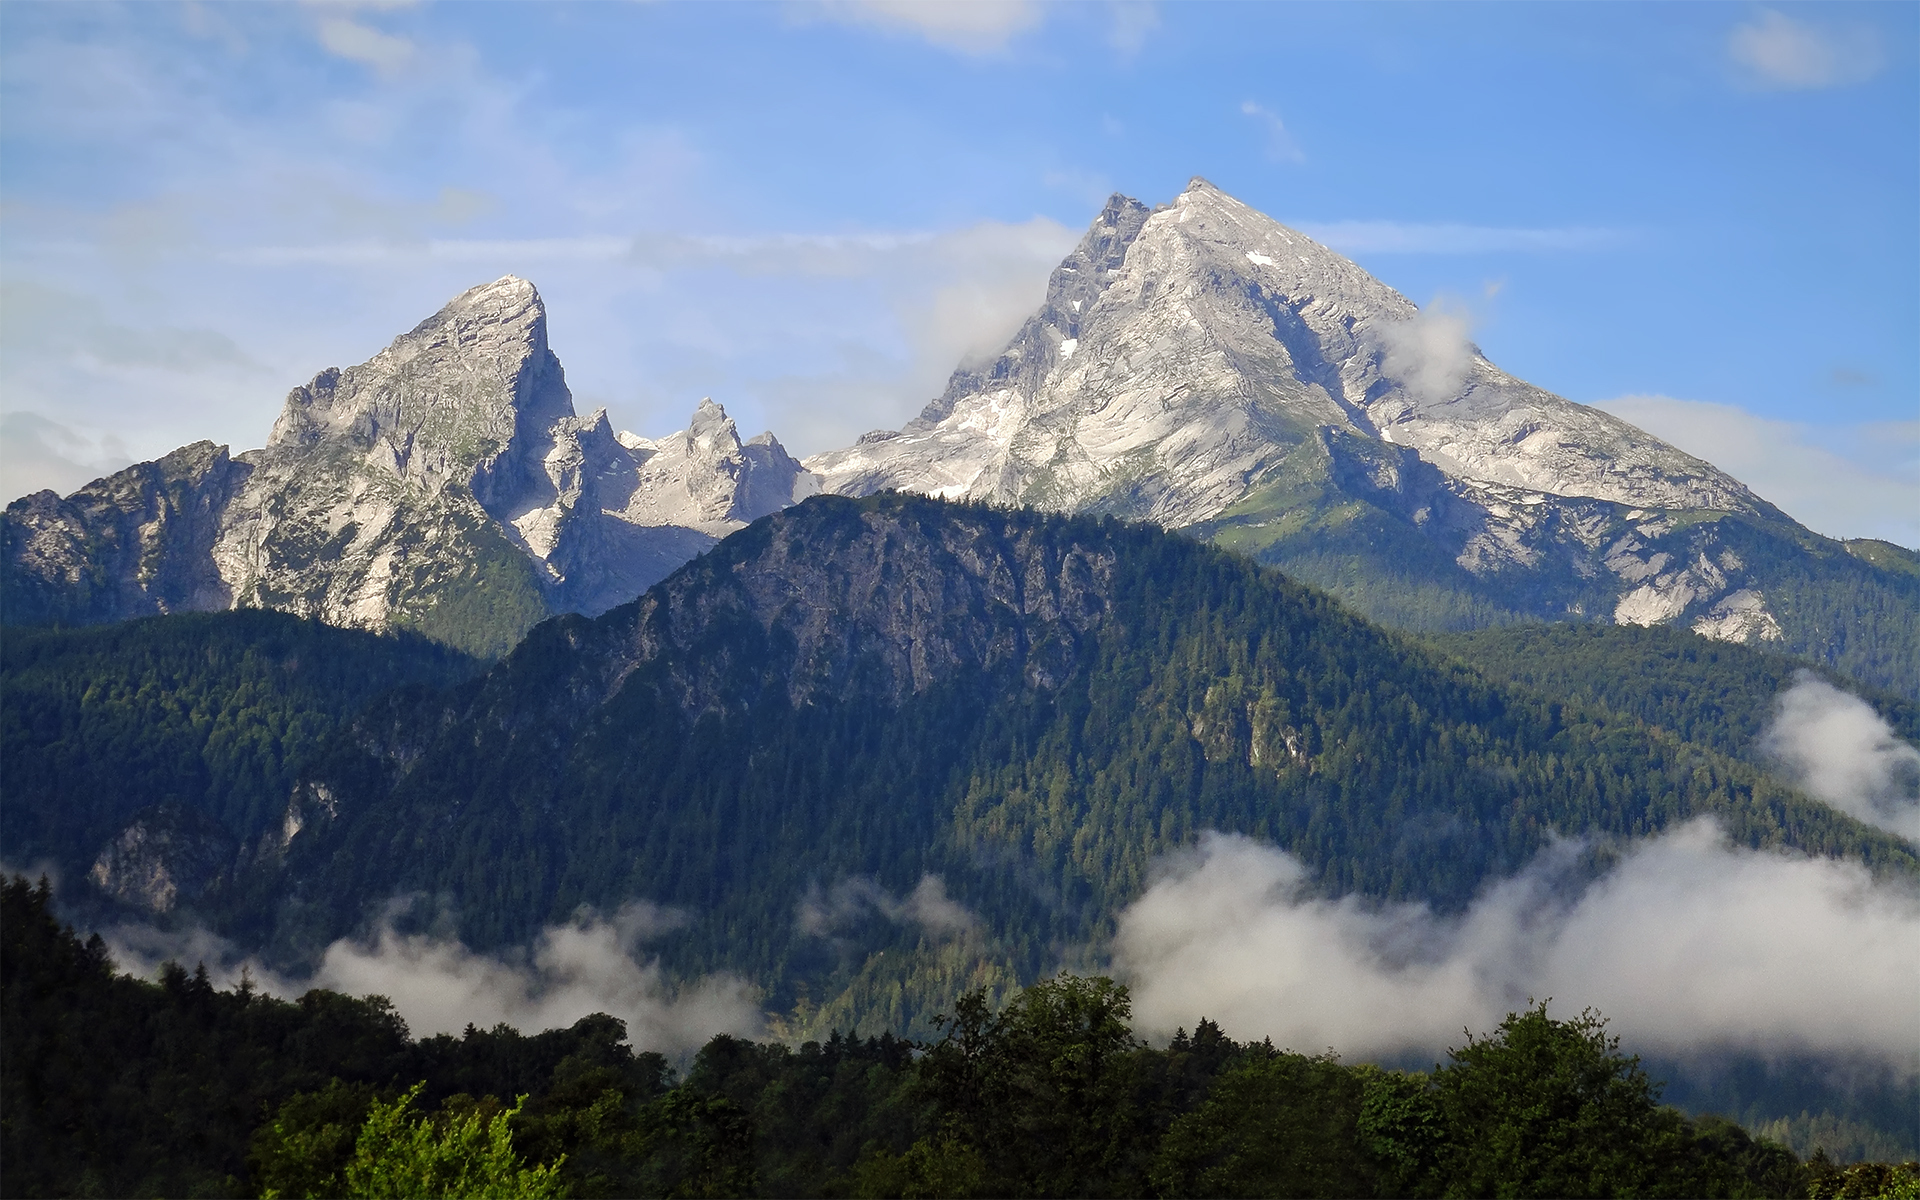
{"x": 589, "y": 965}
{"x": 1688, "y": 944}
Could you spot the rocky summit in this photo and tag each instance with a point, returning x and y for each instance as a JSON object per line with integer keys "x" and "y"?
{"x": 1197, "y": 365}
{"x": 445, "y": 485}
{"x": 1205, "y": 367}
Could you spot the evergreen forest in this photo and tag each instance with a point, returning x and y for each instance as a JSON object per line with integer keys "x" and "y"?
{"x": 115, "y": 1086}
{"x": 780, "y": 744}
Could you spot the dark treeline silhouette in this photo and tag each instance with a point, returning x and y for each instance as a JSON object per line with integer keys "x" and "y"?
{"x": 117, "y": 1086}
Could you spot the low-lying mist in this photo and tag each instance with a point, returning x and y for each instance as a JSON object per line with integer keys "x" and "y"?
{"x": 1688, "y": 945}
{"x": 590, "y": 965}
{"x": 1834, "y": 745}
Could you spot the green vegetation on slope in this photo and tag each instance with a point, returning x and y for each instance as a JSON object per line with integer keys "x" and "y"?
{"x": 215, "y": 712}
{"x": 1213, "y": 694}
{"x": 121, "y": 1087}
{"x": 1719, "y": 695}
{"x": 1381, "y": 531}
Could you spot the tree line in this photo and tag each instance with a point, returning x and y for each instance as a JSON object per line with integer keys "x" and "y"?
{"x": 118, "y": 1086}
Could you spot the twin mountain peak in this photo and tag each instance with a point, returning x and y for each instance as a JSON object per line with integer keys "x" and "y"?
{"x": 1196, "y": 365}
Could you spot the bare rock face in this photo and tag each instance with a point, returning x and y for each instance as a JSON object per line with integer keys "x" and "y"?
{"x": 168, "y": 856}
{"x": 445, "y": 485}
{"x": 1199, "y": 364}
{"x": 133, "y": 544}
{"x": 878, "y": 600}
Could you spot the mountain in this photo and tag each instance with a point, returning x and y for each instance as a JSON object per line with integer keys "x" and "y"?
{"x": 446, "y": 486}
{"x": 878, "y": 750}
{"x": 1199, "y": 365}
{"x": 1206, "y": 368}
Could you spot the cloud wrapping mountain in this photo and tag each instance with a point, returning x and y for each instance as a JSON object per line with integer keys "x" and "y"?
{"x": 1688, "y": 945}
{"x": 1838, "y": 748}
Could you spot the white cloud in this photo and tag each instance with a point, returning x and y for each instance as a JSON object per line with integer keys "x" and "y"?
{"x": 970, "y": 26}
{"x": 590, "y": 965}
{"x": 822, "y": 913}
{"x": 1779, "y": 52}
{"x": 1281, "y": 146}
{"x": 350, "y": 39}
{"x": 1429, "y": 353}
{"x": 1838, "y": 748}
{"x": 1403, "y": 237}
{"x": 1835, "y": 494}
{"x": 1688, "y": 946}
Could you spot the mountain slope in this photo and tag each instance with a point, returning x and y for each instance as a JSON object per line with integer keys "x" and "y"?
{"x": 161, "y": 749}
{"x": 879, "y": 749}
{"x": 446, "y": 485}
{"x": 1204, "y": 367}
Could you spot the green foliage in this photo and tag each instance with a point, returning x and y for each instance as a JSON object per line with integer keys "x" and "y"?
{"x": 399, "y": 1154}
{"x": 305, "y": 1149}
{"x": 1719, "y": 695}
{"x": 1278, "y": 1125}
{"x": 1850, "y": 1140}
{"x": 1552, "y": 1108}
{"x": 1402, "y": 1131}
{"x": 1214, "y": 694}
{"x": 1862, "y": 1181}
{"x": 1044, "y": 1089}
{"x": 213, "y": 712}
{"x": 120, "y": 1087}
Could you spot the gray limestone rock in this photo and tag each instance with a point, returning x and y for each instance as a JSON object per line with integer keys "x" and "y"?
{"x": 445, "y": 485}
{"x": 135, "y": 544}
{"x": 168, "y": 856}
{"x": 1204, "y": 367}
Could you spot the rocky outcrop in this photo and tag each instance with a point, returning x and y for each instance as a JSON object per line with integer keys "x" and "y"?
{"x": 880, "y": 600}
{"x": 445, "y": 485}
{"x": 168, "y": 856}
{"x": 134, "y": 544}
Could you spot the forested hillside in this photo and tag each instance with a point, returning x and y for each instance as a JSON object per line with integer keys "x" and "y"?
{"x": 1029, "y": 707}
{"x": 210, "y": 713}
{"x": 116, "y": 1086}
{"x": 1720, "y": 695}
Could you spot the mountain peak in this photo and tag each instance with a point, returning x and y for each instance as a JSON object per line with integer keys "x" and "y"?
{"x": 445, "y": 397}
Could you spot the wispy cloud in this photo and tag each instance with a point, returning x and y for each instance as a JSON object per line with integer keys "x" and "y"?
{"x": 1280, "y": 143}
{"x": 1429, "y": 353}
{"x": 590, "y": 965}
{"x": 1838, "y": 748}
{"x": 823, "y": 912}
{"x": 1873, "y": 491}
{"x": 969, "y": 26}
{"x": 1776, "y": 51}
{"x": 1406, "y": 237}
{"x": 41, "y": 454}
{"x": 350, "y": 39}
{"x": 1689, "y": 945}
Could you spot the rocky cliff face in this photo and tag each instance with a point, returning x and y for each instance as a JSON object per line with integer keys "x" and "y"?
{"x": 1199, "y": 365}
{"x": 133, "y": 544}
{"x": 1204, "y": 367}
{"x": 446, "y": 485}
{"x": 169, "y": 855}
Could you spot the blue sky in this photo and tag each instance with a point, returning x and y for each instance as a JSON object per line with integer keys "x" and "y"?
{"x": 1705, "y": 217}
